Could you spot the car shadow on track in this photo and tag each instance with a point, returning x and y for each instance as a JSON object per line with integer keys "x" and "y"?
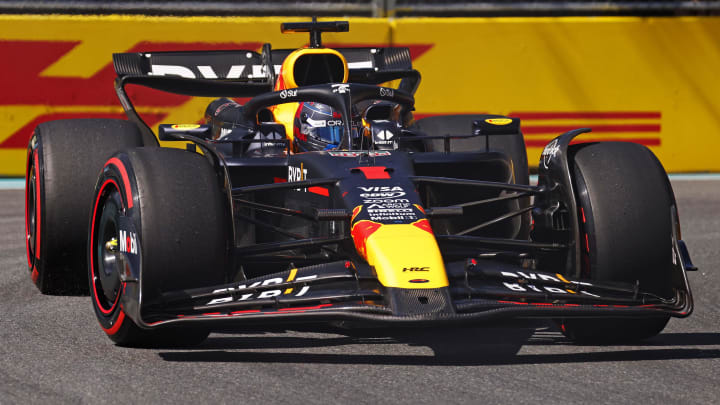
{"x": 497, "y": 344}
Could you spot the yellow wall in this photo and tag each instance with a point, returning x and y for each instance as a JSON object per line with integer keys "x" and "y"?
{"x": 652, "y": 80}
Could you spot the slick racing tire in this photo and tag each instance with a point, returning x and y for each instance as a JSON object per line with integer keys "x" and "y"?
{"x": 63, "y": 161}
{"x": 624, "y": 199}
{"x": 512, "y": 144}
{"x": 160, "y": 215}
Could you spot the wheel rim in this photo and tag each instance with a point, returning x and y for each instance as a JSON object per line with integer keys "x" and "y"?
{"x": 106, "y": 272}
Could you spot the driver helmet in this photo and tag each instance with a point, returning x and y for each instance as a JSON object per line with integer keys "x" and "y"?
{"x": 316, "y": 127}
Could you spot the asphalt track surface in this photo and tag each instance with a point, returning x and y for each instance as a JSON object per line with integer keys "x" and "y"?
{"x": 53, "y": 351}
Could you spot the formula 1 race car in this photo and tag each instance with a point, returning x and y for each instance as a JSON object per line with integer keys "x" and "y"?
{"x": 321, "y": 199}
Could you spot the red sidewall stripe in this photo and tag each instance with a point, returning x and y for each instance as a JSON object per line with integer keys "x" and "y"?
{"x": 38, "y": 209}
{"x": 92, "y": 251}
{"x": 28, "y": 165}
{"x": 126, "y": 180}
{"x": 118, "y": 323}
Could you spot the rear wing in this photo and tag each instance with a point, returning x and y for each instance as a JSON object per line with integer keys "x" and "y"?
{"x": 365, "y": 65}
{"x": 244, "y": 73}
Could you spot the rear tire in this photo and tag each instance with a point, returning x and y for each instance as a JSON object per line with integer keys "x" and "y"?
{"x": 63, "y": 161}
{"x": 172, "y": 203}
{"x": 626, "y": 231}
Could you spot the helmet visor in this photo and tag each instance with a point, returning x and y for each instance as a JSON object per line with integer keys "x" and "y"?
{"x": 331, "y": 135}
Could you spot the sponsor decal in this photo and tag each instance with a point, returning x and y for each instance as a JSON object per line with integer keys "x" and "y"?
{"x": 340, "y": 88}
{"x": 297, "y": 173}
{"x": 254, "y": 295}
{"x": 208, "y": 72}
{"x": 288, "y": 93}
{"x": 359, "y": 153}
{"x": 386, "y": 92}
{"x": 185, "y": 126}
{"x": 324, "y": 123}
{"x": 128, "y": 242}
{"x": 389, "y": 203}
{"x": 548, "y": 154}
{"x": 384, "y": 137}
{"x": 416, "y": 269}
{"x": 391, "y": 214}
{"x": 385, "y": 204}
{"x": 498, "y": 121}
{"x": 382, "y": 192}
{"x": 524, "y": 286}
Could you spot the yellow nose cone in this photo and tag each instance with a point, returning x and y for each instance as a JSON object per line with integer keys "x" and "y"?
{"x": 406, "y": 256}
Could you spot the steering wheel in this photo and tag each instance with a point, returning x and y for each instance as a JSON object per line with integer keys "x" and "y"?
{"x": 339, "y": 96}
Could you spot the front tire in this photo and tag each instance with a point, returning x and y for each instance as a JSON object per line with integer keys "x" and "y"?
{"x": 161, "y": 212}
{"x": 625, "y": 203}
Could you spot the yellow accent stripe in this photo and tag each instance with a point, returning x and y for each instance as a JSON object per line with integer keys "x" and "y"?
{"x": 562, "y": 278}
{"x": 290, "y": 278}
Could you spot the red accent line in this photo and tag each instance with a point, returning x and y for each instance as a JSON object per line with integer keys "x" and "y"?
{"x": 513, "y": 302}
{"x": 587, "y": 243}
{"x": 424, "y": 224}
{"x": 320, "y": 191}
{"x": 360, "y": 233}
{"x": 304, "y": 308}
{"x": 118, "y": 323}
{"x": 38, "y": 208}
{"x": 373, "y": 172}
{"x": 212, "y": 313}
{"x": 245, "y": 312}
{"x": 92, "y": 251}
{"x": 537, "y": 143}
{"x": 279, "y": 180}
{"x": 559, "y": 129}
{"x": 542, "y": 304}
{"x": 125, "y": 178}
{"x": 551, "y": 115}
{"x": 34, "y": 275}
{"x": 28, "y": 163}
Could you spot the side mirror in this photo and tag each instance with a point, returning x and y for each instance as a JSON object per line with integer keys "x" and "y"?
{"x": 169, "y": 132}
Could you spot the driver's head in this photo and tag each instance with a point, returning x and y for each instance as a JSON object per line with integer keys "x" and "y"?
{"x": 316, "y": 127}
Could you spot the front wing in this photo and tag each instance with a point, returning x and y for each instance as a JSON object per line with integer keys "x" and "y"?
{"x": 479, "y": 290}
